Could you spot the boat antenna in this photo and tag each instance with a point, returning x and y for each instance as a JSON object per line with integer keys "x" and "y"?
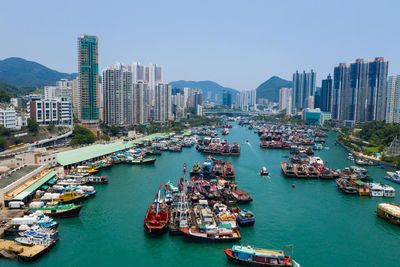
{"x": 184, "y": 171}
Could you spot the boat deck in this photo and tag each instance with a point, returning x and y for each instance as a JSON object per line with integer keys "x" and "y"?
{"x": 24, "y": 251}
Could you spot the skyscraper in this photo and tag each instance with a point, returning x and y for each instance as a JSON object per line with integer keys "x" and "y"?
{"x": 393, "y": 100}
{"x": 285, "y": 99}
{"x": 227, "y": 98}
{"x": 359, "y": 91}
{"x": 304, "y": 85}
{"x": 88, "y": 78}
{"x": 141, "y": 105}
{"x": 118, "y": 96}
{"x": 326, "y": 95}
{"x": 162, "y": 107}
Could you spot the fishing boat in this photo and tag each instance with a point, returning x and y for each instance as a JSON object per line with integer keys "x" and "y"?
{"x": 171, "y": 187}
{"x": 241, "y": 196}
{"x": 264, "y": 171}
{"x": 225, "y": 131}
{"x": 142, "y": 161}
{"x": 393, "y": 177}
{"x": 300, "y": 171}
{"x": 90, "y": 180}
{"x": 56, "y": 210}
{"x": 21, "y": 224}
{"x": 287, "y": 169}
{"x": 345, "y": 186}
{"x": 69, "y": 197}
{"x": 221, "y": 233}
{"x": 389, "y": 212}
{"x": 156, "y": 220}
{"x": 180, "y": 215}
{"x": 235, "y": 149}
{"x": 229, "y": 172}
{"x": 218, "y": 168}
{"x": 247, "y": 255}
{"x": 244, "y": 217}
{"x": 196, "y": 168}
{"x": 206, "y": 169}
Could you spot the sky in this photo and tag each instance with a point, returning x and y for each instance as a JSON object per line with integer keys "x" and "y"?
{"x": 237, "y": 43}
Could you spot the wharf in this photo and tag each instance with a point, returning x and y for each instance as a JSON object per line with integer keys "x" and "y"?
{"x": 25, "y": 253}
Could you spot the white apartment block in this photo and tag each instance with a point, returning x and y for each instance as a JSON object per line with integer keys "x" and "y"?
{"x": 8, "y": 118}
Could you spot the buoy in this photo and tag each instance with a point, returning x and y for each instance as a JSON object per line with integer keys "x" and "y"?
{"x": 293, "y": 186}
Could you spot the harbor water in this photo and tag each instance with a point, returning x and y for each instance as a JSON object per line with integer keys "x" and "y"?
{"x": 326, "y": 227}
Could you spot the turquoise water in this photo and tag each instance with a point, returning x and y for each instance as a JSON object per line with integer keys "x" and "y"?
{"x": 326, "y": 227}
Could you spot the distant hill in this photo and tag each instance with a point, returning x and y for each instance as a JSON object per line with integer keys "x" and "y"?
{"x": 20, "y": 72}
{"x": 212, "y": 91}
{"x": 270, "y": 88}
{"x": 8, "y": 90}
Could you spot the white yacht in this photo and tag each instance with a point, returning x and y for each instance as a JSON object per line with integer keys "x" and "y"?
{"x": 388, "y": 191}
{"x": 376, "y": 190}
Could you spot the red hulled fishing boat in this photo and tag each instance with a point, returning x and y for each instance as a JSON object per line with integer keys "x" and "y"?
{"x": 156, "y": 220}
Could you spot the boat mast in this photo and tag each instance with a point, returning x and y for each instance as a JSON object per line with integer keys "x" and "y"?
{"x": 158, "y": 199}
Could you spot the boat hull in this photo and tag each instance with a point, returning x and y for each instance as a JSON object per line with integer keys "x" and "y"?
{"x": 155, "y": 231}
{"x": 203, "y": 238}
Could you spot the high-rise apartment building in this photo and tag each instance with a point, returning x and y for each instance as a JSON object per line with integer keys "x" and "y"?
{"x": 304, "y": 85}
{"x": 88, "y": 78}
{"x": 162, "y": 108}
{"x": 76, "y": 99}
{"x": 326, "y": 94}
{"x": 359, "y": 91}
{"x": 227, "y": 98}
{"x": 141, "y": 105}
{"x": 393, "y": 100}
{"x": 246, "y": 100}
{"x": 138, "y": 72}
{"x": 285, "y": 99}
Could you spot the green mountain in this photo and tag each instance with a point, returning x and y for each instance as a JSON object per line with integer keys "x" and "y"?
{"x": 212, "y": 91}
{"x": 270, "y": 88}
{"x": 8, "y": 90}
{"x": 20, "y": 72}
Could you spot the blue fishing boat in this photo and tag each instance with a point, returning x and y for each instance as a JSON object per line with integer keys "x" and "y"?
{"x": 393, "y": 177}
{"x": 206, "y": 168}
{"x": 247, "y": 255}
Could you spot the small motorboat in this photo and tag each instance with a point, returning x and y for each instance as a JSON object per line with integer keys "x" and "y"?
{"x": 264, "y": 171}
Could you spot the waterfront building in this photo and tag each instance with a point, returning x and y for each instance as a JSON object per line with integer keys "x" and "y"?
{"x": 162, "y": 107}
{"x": 315, "y": 116}
{"x": 359, "y": 91}
{"x": 326, "y": 95}
{"x": 285, "y": 99}
{"x": 88, "y": 79}
{"x": 393, "y": 100}
{"x": 304, "y": 85}
{"x": 57, "y": 111}
{"x": 227, "y": 99}
{"x": 8, "y": 118}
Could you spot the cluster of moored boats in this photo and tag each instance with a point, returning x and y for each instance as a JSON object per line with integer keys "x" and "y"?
{"x": 213, "y": 168}
{"x": 201, "y": 209}
{"x": 215, "y": 146}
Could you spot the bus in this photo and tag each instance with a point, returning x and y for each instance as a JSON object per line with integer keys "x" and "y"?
{"x": 11, "y": 147}
{"x": 20, "y": 144}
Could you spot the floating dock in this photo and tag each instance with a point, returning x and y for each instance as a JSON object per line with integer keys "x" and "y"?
{"x": 11, "y": 249}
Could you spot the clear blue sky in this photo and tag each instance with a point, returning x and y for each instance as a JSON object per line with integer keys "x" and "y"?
{"x": 235, "y": 43}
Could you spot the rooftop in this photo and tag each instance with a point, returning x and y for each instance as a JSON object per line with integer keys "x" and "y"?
{"x": 89, "y": 152}
{"x": 16, "y": 175}
{"x": 33, "y": 187}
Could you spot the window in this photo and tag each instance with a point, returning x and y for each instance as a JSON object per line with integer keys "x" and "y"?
{"x": 39, "y": 104}
{"x": 47, "y": 115}
{"x": 39, "y": 115}
{"x": 47, "y": 105}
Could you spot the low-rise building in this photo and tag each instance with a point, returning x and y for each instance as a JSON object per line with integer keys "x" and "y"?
{"x": 316, "y": 116}
{"x": 8, "y": 118}
{"x": 58, "y": 111}
{"x": 37, "y": 157}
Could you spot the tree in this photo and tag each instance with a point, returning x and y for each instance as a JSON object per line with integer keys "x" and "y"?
{"x": 105, "y": 137}
{"x": 114, "y": 130}
{"x": 51, "y": 127}
{"x": 3, "y": 143}
{"x": 82, "y": 135}
{"x": 5, "y": 131}
{"x": 18, "y": 141}
{"x": 33, "y": 126}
